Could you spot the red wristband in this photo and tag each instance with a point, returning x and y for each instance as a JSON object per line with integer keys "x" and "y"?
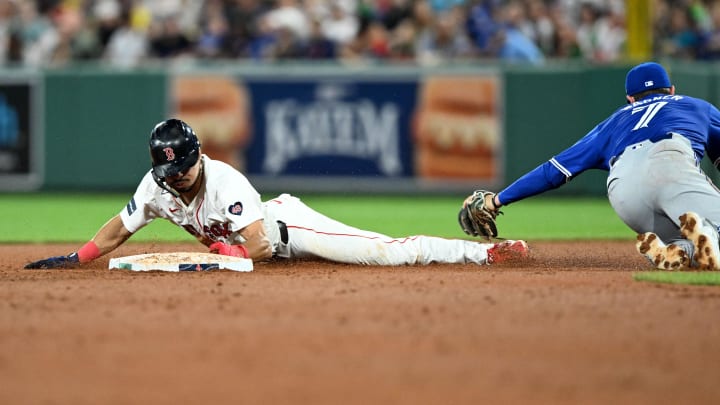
{"x": 88, "y": 252}
{"x": 229, "y": 250}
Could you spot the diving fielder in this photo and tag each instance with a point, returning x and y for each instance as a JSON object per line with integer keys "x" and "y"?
{"x": 219, "y": 206}
{"x": 652, "y": 148}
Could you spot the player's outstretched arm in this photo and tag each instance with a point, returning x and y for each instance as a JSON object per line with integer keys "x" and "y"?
{"x": 109, "y": 237}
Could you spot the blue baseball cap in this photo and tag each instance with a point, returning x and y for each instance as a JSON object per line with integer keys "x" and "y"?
{"x": 646, "y": 76}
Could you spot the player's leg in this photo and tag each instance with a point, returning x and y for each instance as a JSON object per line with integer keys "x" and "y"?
{"x": 693, "y": 202}
{"x": 698, "y": 198}
{"x": 681, "y": 184}
{"x": 640, "y": 189}
{"x": 314, "y": 235}
{"x": 670, "y": 184}
{"x": 633, "y": 196}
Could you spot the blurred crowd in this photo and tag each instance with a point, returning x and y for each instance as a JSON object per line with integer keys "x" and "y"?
{"x": 127, "y": 33}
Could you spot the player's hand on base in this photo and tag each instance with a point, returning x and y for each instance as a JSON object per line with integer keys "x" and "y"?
{"x": 55, "y": 262}
{"x": 229, "y": 250}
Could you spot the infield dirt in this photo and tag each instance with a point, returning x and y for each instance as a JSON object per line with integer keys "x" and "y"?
{"x": 567, "y": 326}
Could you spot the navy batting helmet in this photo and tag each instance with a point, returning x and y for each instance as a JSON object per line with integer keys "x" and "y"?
{"x": 174, "y": 148}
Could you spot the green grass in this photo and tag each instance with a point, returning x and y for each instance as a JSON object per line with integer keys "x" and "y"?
{"x": 71, "y": 218}
{"x": 694, "y": 278}
{"x": 539, "y": 218}
{"x": 53, "y": 217}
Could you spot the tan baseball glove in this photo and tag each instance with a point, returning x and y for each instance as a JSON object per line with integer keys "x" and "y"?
{"x": 478, "y": 213}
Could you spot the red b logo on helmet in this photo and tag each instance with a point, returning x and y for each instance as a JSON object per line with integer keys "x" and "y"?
{"x": 169, "y": 154}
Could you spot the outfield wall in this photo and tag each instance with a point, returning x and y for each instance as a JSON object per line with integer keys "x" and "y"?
{"x": 320, "y": 128}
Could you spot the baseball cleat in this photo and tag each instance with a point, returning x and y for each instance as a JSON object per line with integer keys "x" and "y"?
{"x": 507, "y": 250}
{"x": 662, "y": 256}
{"x": 704, "y": 236}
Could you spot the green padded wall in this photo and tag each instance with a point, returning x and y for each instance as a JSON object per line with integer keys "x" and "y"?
{"x": 548, "y": 110}
{"x": 97, "y": 121}
{"x": 97, "y": 125}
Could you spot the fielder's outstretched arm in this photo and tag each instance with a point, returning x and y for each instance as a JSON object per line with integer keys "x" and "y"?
{"x": 110, "y": 236}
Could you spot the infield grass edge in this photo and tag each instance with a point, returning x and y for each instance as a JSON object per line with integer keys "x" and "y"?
{"x": 707, "y": 278}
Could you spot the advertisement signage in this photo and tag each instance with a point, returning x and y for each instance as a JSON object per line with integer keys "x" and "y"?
{"x": 331, "y": 128}
{"x": 349, "y": 133}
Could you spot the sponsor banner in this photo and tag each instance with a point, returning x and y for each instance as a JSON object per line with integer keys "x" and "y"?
{"x": 339, "y": 127}
{"x": 400, "y": 131}
{"x": 19, "y": 141}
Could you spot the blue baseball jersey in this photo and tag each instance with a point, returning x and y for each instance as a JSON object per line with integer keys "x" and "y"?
{"x": 651, "y": 118}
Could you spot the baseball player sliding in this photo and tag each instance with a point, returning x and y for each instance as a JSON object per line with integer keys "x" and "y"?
{"x": 219, "y": 206}
{"x": 651, "y": 148}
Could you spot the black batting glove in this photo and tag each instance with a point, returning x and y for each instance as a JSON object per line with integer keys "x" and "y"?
{"x": 55, "y": 262}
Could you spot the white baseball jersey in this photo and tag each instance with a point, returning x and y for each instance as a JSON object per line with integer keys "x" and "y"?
{"x": 227, "y": 203}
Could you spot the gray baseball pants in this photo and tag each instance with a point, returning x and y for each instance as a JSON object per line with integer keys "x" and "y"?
{"x": 652, "y": 184}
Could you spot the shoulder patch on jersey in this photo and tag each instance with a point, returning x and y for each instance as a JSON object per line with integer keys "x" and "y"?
{"x": 131, "y": 206}
{"x": 236, "y": 208}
